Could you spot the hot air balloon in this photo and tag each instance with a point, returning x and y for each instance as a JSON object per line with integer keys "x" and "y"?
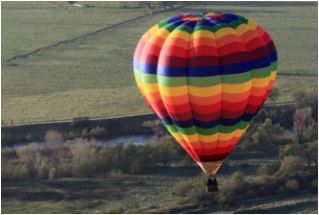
{"x": 205, "y": 76}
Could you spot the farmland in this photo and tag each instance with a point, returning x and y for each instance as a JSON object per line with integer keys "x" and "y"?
{"x": 92, "y": 75}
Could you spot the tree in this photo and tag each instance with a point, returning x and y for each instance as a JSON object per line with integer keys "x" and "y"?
{"x": 308, "y": 97}
{"x": 84, "y": 156}
{"x": 310, "y": 154}
{"x": 289, "y": 149}
{"x": 53, "y": 137}
{"x": 156, "y": 127}
{"x": 292, "y": 165}
{"x": 267, "y": 133}
{"x": 304, "y": 125}
{"x": 165, "y": 150}
{"x": 274, "y": 94}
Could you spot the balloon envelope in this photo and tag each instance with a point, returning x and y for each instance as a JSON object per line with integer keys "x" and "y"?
{"x": 205, "y": 76}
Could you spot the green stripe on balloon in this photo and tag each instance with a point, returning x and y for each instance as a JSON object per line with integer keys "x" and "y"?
{"x": 207, "y": 131}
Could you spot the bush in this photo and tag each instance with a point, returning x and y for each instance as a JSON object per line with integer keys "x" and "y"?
{"x": 53, "y": 174}
{"x": 292, "y": 165}
{"x": 266, "y": 170}
{"x": 292, "y": 185}
{"x": 199, "y": 195}
{"x": 8, "y": 153}
{"x": 263, "y": 185}
{"x": 182, "y": 188}
{"x": 53, "y": 137}
{"x": 116, "y": 177}
{"x": 289, "y": 149}
{"x": 14, "y": 172}
{"x": 43, "y": 170}
{"x": 224, "y": 198}
{"x": 156, "y": 127}
{"x": 28, "y": 151}
{"x": 98, "y": 132}
{"x": 84, "y": 157}
{"x": 116, "y": 208}
{"x": 305, "y": 127}
{"x": 138, "y": 165}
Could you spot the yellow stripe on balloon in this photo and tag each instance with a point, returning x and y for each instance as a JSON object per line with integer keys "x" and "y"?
{"x": 206, "y": 91}
{"x": 236, "y": 88}
{"x": 211, "y": 138}
{"x": 252, "y": 24}
{"x": 243, "y": 28}
{"x": 225, "y": 32}
{"x": 203, "y": 34}
{"x": 260, "y": 82}
{"x": 179, "y": 34}
{"x": 162, "y": 32}
{"x": 273, "y": 75}
{"x": 153, "y": 29}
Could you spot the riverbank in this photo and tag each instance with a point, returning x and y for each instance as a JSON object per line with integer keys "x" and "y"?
{"x": 107, "y": 127}
{"x": 79, "y": 127}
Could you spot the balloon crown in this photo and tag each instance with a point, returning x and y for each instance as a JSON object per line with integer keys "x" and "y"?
{"x": 206, "y": 17}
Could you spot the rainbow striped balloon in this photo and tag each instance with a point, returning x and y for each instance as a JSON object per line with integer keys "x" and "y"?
{"x": 205, "y": 76}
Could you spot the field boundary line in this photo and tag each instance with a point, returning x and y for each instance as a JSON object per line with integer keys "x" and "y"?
{"x": 95, "y": 118}
{"x": 74, "y": 39}
{"x": 297, "y": 74}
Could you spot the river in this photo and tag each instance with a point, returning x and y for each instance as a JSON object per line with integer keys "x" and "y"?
{"x": 126, "y": 139}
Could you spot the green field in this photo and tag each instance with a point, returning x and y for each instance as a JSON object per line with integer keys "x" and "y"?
{"x": 92, "y": 76}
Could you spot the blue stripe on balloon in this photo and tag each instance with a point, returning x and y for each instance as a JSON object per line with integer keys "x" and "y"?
{"x": 221, "y": 121}
{"x": 203, "y": 71}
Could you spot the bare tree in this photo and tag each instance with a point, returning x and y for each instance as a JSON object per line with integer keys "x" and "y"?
{"x": 304, "y": 125}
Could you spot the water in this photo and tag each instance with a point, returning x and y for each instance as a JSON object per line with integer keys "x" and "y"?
{"x": 136, "y": 139}
{"x": 126, "y": 139}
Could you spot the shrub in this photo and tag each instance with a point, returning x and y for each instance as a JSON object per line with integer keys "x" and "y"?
{"x": 27, "y": 151}
{"x": 305, "y": 127}
{"x": 43, "y": 170}
{"x": 263, "y": 170}
{"x": 263, "y": 185}
{"x": 8, "y": 153}
{"x": 14, "y": 172}
{"x": 198, "y": 194}
{"x": 156, "y": 127}
{"x": 116, "y": 177}
{"x": 64, "y": 170}
{"x": 224, "y": 198}
{"x": 53, "y": 174}
{"x": 84, "y": 157}
{"x": 116, "y": 208}
{"x": 138, "y": 165}
{"x": 98, "y": 132}
{"x": 182, "y": 187}
{"x": 53, "y": 137}
{"x": 266, "y": 170}
{"x": 267, "y": 133}
{"x": 292, "y": 185}
{"x": 291, "y": 165}
{"x": 289, "y": 149}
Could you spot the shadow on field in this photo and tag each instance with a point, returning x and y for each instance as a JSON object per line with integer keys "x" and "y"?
{"x": 62, "y": 190}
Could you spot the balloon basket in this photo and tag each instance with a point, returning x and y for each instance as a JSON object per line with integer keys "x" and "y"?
{"x": 212, "y": 185}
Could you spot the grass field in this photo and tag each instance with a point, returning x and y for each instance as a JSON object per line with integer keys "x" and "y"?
{"x": 92, "y": 76}
{"x": 149, "y": 193}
